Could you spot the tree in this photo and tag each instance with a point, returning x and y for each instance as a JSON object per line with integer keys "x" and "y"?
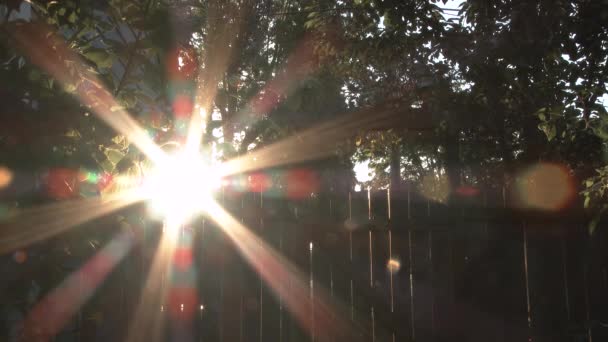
{"x": 493, "y": 76}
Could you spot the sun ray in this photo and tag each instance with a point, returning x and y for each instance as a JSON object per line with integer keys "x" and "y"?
{"x": 36, "y": 224}
{"x": 147, "y": 323}
{"x": 274, "y": 269}
{"x": 54, "y": 311}
{"x": 313, "y": 143}
{"x": 300, "y": 64}
{"x": 49, "y": 51}
{"x": 222, "y": 36}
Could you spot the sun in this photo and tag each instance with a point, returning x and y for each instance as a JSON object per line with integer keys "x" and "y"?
{"x": 180, "y": 187}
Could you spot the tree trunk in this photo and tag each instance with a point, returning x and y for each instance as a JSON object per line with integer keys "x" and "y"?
{"x": 452, "y": 164}
{"x": 395, "y": 169}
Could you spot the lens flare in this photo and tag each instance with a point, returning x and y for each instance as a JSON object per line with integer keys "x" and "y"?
{"x": 49, "y": 51}
{"x": 546, "y": 186}
{"x": 55, "y": 310}
{"x": 435, "y": 187}
{"x": 20, "y": 256}
{"x": 182, "y": 107}
{"x": 273, "y": 268}
{"x": 147, "y": 324}
{"x": 301, "y": 183}
{"x": 179, "y": 188}
{"x": 393, "y": 265}
{"x": 6, "y": 177}
{"x": 26, "y": 226}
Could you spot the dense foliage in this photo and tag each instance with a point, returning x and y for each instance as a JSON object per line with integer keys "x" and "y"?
{"x": 505, "y": 83}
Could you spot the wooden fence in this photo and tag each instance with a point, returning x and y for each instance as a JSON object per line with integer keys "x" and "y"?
{"x": 376, "y": 266}
{"x": 402, "y": 268}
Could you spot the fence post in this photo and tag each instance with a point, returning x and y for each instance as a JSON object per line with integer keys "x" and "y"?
{"x": 260, "y": 276}
{"x": 564, "y": 249}
{"x": 241, "y": 269}
{"x": 527, "y": 282}
{"x": 391, "y": 268}
{"x": 350, "y": 251}
{"x": 371, "y": 262}
{"x": 587, "y": 304}
{"x": 411, "y": 266}
{"x": 432, "y": 271}
{"x": 281, "y": 287}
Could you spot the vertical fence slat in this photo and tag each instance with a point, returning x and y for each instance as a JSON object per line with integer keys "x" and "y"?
{"x": 459, "y": 278}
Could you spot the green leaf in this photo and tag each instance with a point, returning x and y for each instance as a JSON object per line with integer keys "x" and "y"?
{"x": 70, "y": 87}
{"x": 72, "y": 18}
{"x": 114, "y": 156}
{"x": 100, "y": 57}
{"x": 34, "y": 75}
{"x": 542, "y": 117}
{"x": 549, "y": 130}
{"x": 601, "y": 132}
{"x": 124, "y": 164}
{"x": 107, "y": 166}
{"x": 596, "y": 219}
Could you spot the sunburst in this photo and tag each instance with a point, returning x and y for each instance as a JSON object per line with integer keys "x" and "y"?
{"x": 178, "y": 186}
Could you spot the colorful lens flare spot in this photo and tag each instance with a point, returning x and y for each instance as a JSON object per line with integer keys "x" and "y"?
{"x": 301, "y": 183}
{"x": 467, "y": 191}
{"x": 62, "y": 183}
{"x": 393, "y": 265}
{"x": 259, "y": 182}
{"x": 20, "y": 256}
{"x": 182, "y": 106}
{"x": 546, "y": 186}
{"x": 182, "y": 258}
{"x": 92, "y": 177}
{"x": 6, "y": 177}
{"x": 182, "y": 302}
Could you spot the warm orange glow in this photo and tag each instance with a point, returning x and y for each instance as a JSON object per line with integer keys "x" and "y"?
{"x": 20, "y": 256}
{"x": 393, "y": 265}
{"x": 546, "y": 186}
{"x": 6, "y": 177}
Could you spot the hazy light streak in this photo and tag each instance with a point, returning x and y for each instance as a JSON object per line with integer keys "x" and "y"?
{"x": 274, "y": 269}
{"x": 147, "y": 323}
{"x": 35, "y": 224}
{"x": 313, "y": 143}
{"x": 223, "y": 37}
{"x": 299, "y": 65}
{"x": 48, "y": 51}
{"x": 196, "y": 130}
{"x": 53, "y": 312}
